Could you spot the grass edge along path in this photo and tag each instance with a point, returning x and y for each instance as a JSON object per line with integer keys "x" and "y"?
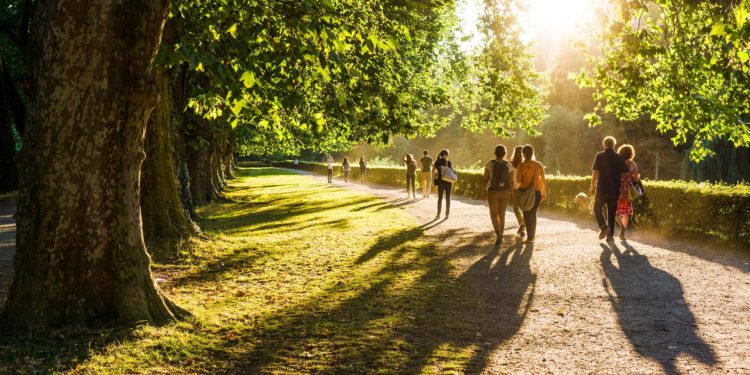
{"x": 294, "y": 276}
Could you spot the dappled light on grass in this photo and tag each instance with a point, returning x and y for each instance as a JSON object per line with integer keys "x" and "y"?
{"x": 294, "y": 276}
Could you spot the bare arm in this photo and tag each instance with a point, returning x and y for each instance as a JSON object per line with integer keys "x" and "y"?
{"x": 543, "y": 187}
{"x": 485, "y": 179}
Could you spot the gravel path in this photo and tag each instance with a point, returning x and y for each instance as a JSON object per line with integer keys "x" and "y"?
{"x": 572, "y": 304}
{"x": 7, "y": 245}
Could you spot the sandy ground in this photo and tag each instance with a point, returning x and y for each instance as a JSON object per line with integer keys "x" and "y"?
{"x": 7, "y": 245}
{"x": 573, "y": 304}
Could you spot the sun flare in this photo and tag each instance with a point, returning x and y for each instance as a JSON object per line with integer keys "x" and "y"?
{"x": 563, "y": 16}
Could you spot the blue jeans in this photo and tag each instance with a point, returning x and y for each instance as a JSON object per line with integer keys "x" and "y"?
{"x": 529, "y": 217}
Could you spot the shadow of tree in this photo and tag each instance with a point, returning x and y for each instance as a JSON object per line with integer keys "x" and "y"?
{"x": 651, "y": 309}
{"x": 412, "y": 309}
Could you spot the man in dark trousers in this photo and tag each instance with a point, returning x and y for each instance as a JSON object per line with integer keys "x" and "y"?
{"x": 608, "y": 168}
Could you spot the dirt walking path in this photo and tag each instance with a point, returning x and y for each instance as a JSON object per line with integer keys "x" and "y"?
{"x": 7, "y": 245}
{"x": 572, "y": 304}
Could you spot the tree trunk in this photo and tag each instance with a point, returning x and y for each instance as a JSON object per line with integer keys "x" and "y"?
{"x": 80, "y": 255}
{"x": 165, "y": 221}
{"x": 8, "y": 166}
{"x": 178, "y": 141}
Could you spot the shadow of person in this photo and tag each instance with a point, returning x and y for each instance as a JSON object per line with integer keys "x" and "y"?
{"x": 651, "y": 309}
{"x": 484, "y": 307}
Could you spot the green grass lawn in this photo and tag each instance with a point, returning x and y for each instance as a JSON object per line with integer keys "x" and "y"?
{"x": 292, "y": 276}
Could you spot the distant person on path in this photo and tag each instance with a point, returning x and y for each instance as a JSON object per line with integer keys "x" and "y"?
{"x": 296, "y": 164}
{"x": 444, "y": 187}
{"x": 497, "y": 184}
{"x": 362, "y": 169}
{"x": 329, "y": 160}
{"x": 347, "y": 169}
{"x": 624, "y": 204}
{"x": 426, "y": 181}
{"x": 411, "y": 175}
{"x": 531, "y": 181}
{"x": 515, "y": 161}
{"x": 608, "y": 170}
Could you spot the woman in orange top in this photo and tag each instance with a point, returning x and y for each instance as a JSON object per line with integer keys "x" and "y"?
{"x": 525, "y": 174}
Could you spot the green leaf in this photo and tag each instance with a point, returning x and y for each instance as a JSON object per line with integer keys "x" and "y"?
{"x": 248, "y": 79}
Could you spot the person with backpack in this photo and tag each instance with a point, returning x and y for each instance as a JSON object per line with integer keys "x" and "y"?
{"x": 411, "y": 175}
{"x": 426, "y": 162}
{"x": 444, "y": 179}
{"x": 497, "y": 185}
{"x": 532, "y": 189}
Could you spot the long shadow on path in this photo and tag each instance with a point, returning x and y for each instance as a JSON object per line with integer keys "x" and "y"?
{"x": 651, "y": 309}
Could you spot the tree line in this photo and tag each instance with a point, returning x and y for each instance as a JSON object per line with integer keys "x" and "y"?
{"x": 118, "y": 117}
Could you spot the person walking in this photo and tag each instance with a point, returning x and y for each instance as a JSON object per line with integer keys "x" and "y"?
{"x": 444, "y": 187}
{"x": 362, "y": 169}
{"x": 347, "y": 169}
{"x": 296, "y": 164}
{"x": 329, "y": 160}
{"x": 515, "y": 161}
{"x": 411, "y": 174}
{"x": 532, "y": 189}
{"x": 608, "y": 170}
{"x": 631, "y": 178}
{"x": 497, "y": 185}
{"x": 426, "y": 180}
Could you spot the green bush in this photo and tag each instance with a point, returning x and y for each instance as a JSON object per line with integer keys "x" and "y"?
{"x": 720, "y": 211}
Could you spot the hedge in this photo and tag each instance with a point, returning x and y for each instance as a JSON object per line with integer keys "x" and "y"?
{"x": 720, "y": 211}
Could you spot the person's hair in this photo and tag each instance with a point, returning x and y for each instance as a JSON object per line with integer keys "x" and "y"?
{"x": 517, "y": 157}
{"x": 361, "y": 158}
{"x": 528, "y": 152}
{"x": 500, "y": 151}
{"x": 425, "y": 152}
{"x": 346, "y": 160}
{"x": 609, "y": 142}
{"x": 443, "y": 153}
{"x": 408, "y": 158}
{"x": 627, "y": 151}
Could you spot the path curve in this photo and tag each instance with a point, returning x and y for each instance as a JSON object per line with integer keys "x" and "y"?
{"x": 652, "y": 304}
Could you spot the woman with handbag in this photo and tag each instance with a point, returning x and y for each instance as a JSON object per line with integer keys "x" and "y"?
{"x": 444, "y": 179}
{"x": 629, "y": 189}
{"x": 532, "y": 189}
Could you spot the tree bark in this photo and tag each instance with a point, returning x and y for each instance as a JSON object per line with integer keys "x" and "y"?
{"x": 80, "y": 255}
{"x": 165, "y": 221}
{"x": 8, "y": 166}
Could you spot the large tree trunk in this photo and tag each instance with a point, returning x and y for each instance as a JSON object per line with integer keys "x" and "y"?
{"x": 80, "y": 255}
{"x": 178, "y": 141}
{"x": 165, "y": 221}
{"x": 8, "y": 167}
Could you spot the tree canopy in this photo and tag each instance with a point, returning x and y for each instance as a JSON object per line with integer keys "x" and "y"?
{"x": 684, "y": 63}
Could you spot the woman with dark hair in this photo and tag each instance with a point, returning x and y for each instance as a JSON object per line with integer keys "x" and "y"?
{"x": 624, "y": 204}
{"x": 347, "y": 169}
{"x": 444, "y": 187}
{"x": 411, "y": 175}
{"x": 362, "y": 169}
{"x": 515, "y": 161}
{"x": 531, "y": 182}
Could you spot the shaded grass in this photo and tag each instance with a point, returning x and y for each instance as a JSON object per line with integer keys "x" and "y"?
{"x": 295, "y": 276}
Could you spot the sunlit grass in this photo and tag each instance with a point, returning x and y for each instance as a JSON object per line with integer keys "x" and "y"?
{"x": 292, "y": 276}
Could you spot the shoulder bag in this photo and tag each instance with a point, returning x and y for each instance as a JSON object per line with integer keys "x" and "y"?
{"x": 527, "y": 196}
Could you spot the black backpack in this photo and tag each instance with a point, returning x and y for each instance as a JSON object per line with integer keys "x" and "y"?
{"x": 500, "y": 176}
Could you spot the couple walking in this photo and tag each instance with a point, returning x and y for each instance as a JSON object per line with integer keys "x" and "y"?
{"x": 520, "y": 182}
{"x": 616, "y": 183}
{"x": 425, "y": 164}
